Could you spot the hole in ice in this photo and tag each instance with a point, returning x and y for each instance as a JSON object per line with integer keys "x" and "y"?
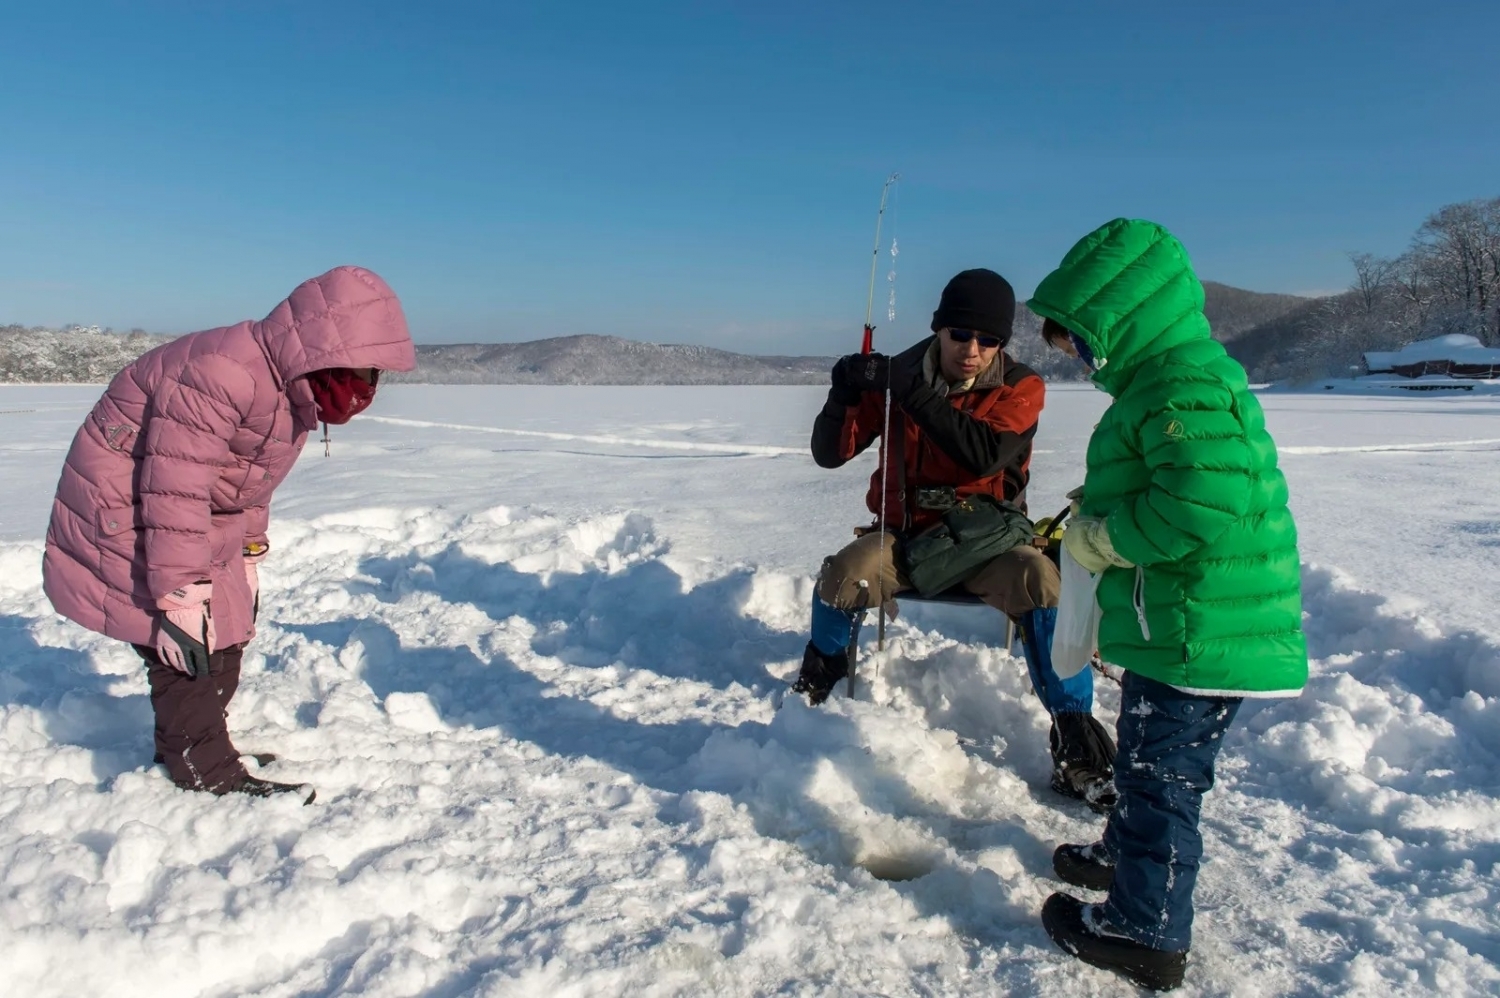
{"x": 897, "y": 868}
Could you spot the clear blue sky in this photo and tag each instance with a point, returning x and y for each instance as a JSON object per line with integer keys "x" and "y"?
{"x": 707, "y": 172}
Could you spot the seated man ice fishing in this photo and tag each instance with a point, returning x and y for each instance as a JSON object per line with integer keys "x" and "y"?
{"x": 961, "y": 427}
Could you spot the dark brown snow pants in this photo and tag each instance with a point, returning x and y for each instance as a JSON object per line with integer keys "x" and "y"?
{"x": 192, "y": 733}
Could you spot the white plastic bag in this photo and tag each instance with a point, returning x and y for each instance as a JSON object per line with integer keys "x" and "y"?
{"x": 1077, "y": 634}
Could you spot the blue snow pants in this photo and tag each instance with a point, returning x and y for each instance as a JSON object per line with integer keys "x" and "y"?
{"x": 1168, "y": 741}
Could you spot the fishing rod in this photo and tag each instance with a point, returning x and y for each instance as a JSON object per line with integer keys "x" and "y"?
{"x": 885, "y": 195}
{"x": 868, "y": 346}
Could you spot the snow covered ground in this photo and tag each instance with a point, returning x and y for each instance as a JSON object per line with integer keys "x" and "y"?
{"x": 524, "y": 641}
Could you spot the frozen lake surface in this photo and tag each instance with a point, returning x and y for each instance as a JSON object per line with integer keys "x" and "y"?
{"x": 525, "y": 641}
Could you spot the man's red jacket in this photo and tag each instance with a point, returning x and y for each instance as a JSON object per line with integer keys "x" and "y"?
{"x": 977, "y": 440}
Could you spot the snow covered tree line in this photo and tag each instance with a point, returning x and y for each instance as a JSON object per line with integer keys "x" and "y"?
{"x": 1448, "y": 281}
{"x": 31, "y": 354}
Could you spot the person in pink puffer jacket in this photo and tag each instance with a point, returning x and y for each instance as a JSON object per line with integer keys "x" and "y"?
{"x": 161, "y": 514}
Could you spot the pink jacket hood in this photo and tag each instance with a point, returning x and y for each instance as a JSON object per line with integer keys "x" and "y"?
{"x": 173, "y": 470}
{"x": 348, "y": 317}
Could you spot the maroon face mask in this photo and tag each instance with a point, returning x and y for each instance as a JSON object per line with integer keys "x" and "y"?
{"x": 341, "y": 394}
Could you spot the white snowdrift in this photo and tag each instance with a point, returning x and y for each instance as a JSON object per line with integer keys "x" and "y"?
{"x": 548, "y": 763}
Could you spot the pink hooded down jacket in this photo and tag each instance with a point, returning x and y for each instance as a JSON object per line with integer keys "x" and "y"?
{"x": 172, "y": 472}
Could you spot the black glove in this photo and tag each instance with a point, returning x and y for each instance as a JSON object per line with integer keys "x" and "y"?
{"x": 874, "y": 372}
{"x": 843, "y": 391}
{"x": 868, "y": 372}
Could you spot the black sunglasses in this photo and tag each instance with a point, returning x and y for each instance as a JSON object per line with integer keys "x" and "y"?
{"x": 986, "y": 342}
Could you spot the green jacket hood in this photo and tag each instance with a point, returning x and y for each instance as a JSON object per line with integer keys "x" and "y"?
{"x": 1128, "y": 289}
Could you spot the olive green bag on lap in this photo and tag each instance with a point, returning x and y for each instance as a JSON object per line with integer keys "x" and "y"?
{"x": 973, "y": 531}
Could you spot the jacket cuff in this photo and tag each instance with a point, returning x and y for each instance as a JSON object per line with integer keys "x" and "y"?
{"x": 187, "y": 597}
{"x": 1127, "y": 540}
{"x": 845, "y": 397}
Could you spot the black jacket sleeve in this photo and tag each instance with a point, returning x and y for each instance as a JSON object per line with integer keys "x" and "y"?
{"x": 831, "y": 429}
{"x": 827, "y": 428}
{"x": 981, "y": 447}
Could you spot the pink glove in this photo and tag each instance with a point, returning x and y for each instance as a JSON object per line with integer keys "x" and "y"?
{"x": 185, "y": 632}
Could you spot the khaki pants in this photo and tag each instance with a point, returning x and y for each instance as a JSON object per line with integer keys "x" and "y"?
{"x": 860, "y": 578}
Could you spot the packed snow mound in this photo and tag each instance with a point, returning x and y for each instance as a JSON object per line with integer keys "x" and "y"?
{"x": 549, "y": 760}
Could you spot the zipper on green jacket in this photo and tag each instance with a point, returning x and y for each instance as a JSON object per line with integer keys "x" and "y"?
{"x": 1139, "y": 598}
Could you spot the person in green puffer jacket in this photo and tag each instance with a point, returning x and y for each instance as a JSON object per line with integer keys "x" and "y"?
{"x": 1184, "y": 512}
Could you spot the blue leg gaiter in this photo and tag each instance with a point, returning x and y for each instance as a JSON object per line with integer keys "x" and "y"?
{"x": 1057, "y": 695}
{"x": 832, "y": 629}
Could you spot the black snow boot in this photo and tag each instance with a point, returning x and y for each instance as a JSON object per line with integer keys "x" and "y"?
{"x": 1083, "y": 760}
{"x": 256, "y": 787}
{"x": 1065, "y": 919}
{"x": 1083, "y": 866}
{"x": 261, "y": 758}
{"x": 820, "y": 673}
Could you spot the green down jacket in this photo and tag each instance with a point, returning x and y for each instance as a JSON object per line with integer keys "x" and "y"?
{"x": 1184, "y": 474}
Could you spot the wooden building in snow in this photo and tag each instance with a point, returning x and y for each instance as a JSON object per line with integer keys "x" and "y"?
{"x": 1455, "y": 355}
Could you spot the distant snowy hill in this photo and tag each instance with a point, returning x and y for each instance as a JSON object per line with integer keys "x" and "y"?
{"x": 606, "y": 360}
{"x": 36, "y": 355}
{"x": 92, "y": 354}
{"x": 1234, "y": 311}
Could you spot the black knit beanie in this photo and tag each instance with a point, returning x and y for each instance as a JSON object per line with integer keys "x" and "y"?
{"x": 980, "y": 300}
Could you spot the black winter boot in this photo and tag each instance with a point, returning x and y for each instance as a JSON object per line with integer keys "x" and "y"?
{"x": 1067, "y": 920}
{"x": 1083, "y": 760}
{"x": 1083, "y": 866}
{"x": 261, "y": 758}
{"x": 254, "y": 786}
{"x": 820, "y": 673}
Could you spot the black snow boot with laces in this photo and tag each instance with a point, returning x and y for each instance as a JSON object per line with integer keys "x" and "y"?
{"x": 1083, "y": 760}
{"x": 820, "y": 673}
